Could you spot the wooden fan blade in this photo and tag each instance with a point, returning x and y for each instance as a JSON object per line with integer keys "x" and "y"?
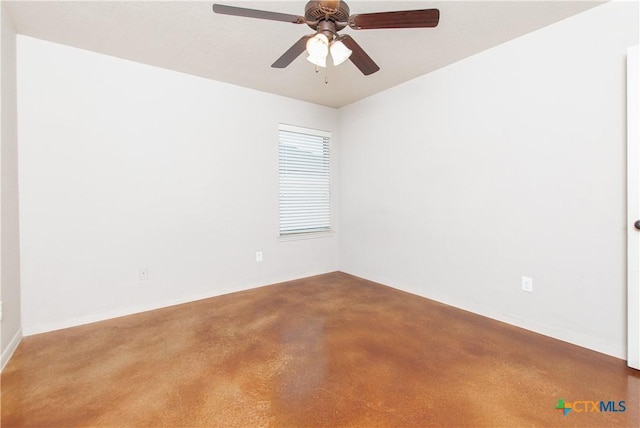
{"x": 359, "y": 57}
{"x": 259, "y": 14}
{"x": 292, "y": 53}
{"x": 401, "y": 19}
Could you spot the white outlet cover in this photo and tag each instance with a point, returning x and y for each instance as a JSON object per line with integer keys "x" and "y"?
{"x": 527, "y": 284}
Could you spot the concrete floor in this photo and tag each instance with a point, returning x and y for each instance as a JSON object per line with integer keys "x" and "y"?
{"x": 331, "y": 350}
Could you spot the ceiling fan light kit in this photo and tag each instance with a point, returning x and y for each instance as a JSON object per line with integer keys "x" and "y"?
{"x": 327, "y": 18}
{"x": 326, "y": 41}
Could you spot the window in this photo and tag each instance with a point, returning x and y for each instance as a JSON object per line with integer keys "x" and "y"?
{"x": 305, "y": 202}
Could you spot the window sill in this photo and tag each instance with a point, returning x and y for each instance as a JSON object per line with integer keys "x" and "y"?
{"x": 301, "y": 236}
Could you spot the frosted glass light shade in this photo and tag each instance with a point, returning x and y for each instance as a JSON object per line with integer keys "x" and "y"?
{"x": 320, "y": 61}
{"x": 339, "y": 52}
{"x": 318, "y": 45}
{"x": 318, "y": 49}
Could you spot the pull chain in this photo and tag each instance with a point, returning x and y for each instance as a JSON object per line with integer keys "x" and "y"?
{"x": 326, "y": 78}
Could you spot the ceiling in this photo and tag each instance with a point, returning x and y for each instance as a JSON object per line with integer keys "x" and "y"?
{"x": 188, "y": 37}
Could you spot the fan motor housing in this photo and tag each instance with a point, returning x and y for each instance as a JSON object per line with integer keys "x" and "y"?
{"x": 317, "y": 11}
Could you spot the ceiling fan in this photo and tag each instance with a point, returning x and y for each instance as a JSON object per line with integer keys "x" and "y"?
{"x": 327, "y": 18}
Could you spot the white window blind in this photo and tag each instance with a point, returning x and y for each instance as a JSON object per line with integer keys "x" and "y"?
{"x": 304, "y": 170}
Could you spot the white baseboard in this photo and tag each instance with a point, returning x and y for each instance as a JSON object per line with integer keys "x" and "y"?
{"x": 30, "y": 330}
{"x": 103, "y": 316}
{"x": 11, "y": 348}
{"x": 572, "y": 337}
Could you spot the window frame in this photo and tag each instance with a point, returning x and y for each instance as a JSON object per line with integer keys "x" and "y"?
{"x": 283, "y": 234}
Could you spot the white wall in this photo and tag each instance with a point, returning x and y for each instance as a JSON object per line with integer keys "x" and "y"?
{"x": 125, "y": 166}
{"x": 10, "y": 331}
{"x": 509, "y": 163}
{"x": 452, "y": 186}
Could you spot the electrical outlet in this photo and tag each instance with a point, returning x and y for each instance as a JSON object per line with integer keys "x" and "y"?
{"x": 258, "y": 256}
{"x": 527, "y": 284}
{"x": 143, "y": 274}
